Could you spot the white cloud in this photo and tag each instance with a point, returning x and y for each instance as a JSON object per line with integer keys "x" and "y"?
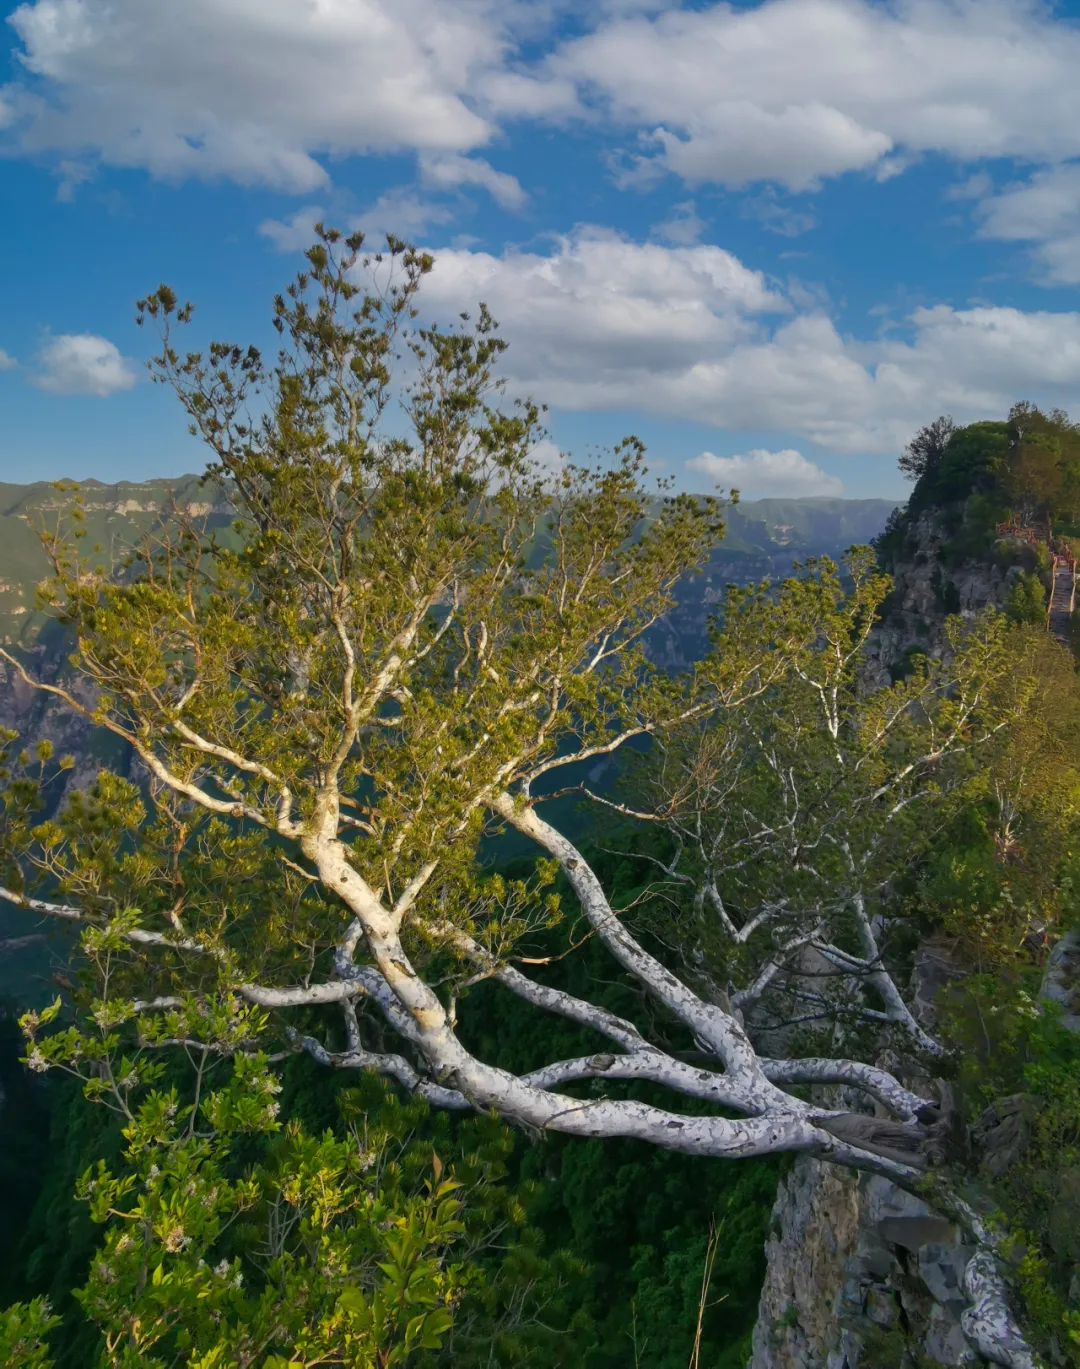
{"x": 82, "y": 364}
{"x": 796, "y": 90}
{"x": 602, "y": 307}
{"x": 775, "y": 215}
{"x": 404, "y": 210}
{"x": 401, "y": 211}
{"x": 1044, "y": 210}
{"x": 253, "y": 91}
{"x": 602, "y": 323}
{"x": 973, "y": 187}
{"x": 684, "y": 226}
{"x": 548, "y": 459}
{"x": 789, "y": 91}
{"x": 448, "y": 172}
{"x": 295, "y": 233}
{"x": 760, "y": 473}
{"x": 7, "y": 361}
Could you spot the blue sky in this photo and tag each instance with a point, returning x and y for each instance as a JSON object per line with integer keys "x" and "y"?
{"x": 772, "y": 239}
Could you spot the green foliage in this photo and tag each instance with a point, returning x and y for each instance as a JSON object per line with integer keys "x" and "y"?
{"x": 1010, "y": 1046}
{"x": 997, "y": 878}
{"x": 24, "y": 1333}
{"x": 974, "y": 459}
{"x": 890, "y": 1349}
{"x": 790, "y": 815}
{"x": 636, "y": 1218}
{"x": 251, "y": 1235}
{"x": 1026, "y": 600}
{"x": 927, "y": 449}
{"x": 318, "y": 1255}
{"x": 1028, "y": 466}
{"x": 563, "y": 1251}
{"x": 641, "y": 1223}
{"x": 24, "y": 1151}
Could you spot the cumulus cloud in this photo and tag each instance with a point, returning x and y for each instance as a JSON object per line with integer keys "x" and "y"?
{"x": 684, "y": 226}
{"x": 7, "y": 361}
{"x": 603, "y": 307}
{"x": 82, "y": 364}
{"x": 797, "y": 90}
{"x": 788, "y": 91}
{"x": 1045, "y": 211}
{"x": 602, "y": 323}
{"x": 760, "y": 473}
{"x": 449, "y": 172}
{"x": 249, "y": 91}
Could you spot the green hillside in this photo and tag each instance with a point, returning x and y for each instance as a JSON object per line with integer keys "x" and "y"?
{"x": 764, "y": 524}
{"x": 116, "y": 516}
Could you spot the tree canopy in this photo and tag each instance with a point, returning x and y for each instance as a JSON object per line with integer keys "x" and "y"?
{"x": 411, "y": 643}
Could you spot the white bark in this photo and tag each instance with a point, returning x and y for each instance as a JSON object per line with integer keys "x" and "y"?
{"x": 878, "y": 1083}
{"x": 719, "y": 1030}
{"x": 987, "y": 1323}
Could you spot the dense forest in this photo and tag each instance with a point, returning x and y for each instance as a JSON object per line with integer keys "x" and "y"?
{"x": 445, "y": 976}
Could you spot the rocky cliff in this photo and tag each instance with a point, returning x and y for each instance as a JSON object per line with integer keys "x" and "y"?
{"x": 860, "y": 1273}
{"x": 941, "y": 565}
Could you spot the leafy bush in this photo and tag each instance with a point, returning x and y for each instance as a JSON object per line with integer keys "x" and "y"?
{"x": 1026, "y": 600}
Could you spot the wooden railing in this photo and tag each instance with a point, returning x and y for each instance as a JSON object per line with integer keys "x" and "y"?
{"x": 1064, "y": 560}
{"x": 1062, "y": 557}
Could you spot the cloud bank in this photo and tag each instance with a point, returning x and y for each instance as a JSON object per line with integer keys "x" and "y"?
{"x": 82, "y": 364}
{"x": 604, "y": 323}
{"x": 760, "y": 473}
{"x": 252, "y": 92}
{"x": 794, "y": 91}
{"x": 788, "y": 91}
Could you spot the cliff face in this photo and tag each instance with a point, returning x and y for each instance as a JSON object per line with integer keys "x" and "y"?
{"x": 933, "y": 578}
{"x": 861, "y": 1275}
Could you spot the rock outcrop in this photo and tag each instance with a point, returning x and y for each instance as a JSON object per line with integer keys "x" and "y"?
{"x": 930, "y": 582}
{"x": 861, "y": 1275}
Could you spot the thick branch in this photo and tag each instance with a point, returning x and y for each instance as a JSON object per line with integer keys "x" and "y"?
{"x": 878, "y": 1083}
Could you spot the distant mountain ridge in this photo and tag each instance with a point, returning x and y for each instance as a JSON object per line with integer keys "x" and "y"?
{"x": 115, "y": 516}
{"x": 809, "y": 525}
{"x": 763, "y": 536}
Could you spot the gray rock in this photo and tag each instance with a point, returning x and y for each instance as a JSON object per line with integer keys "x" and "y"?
{"x": 941, "y": 1268}
{"x": 851, "y": 1258}
{"x": 945, "y": 1342}
{"x": 1061, "y": 982}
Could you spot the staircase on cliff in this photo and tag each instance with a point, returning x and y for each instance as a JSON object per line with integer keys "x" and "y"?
{"x": 1063, "y": 574}
{"x": 1062, "y": 597}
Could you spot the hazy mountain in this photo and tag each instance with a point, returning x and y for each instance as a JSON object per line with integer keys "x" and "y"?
{"x": 805, "y": 525}
{"x": 115, "y": 516}
{"x": 764, "y": 537}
